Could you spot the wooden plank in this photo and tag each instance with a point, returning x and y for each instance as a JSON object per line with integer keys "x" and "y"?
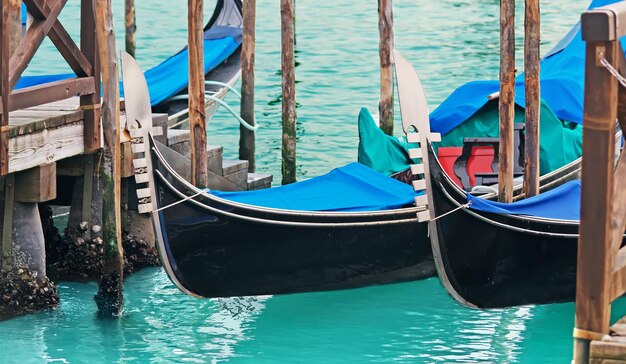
{"x": 50, "y": 92}
{"x": 109, "y": 298}
{"x": 37, "y": 184}
{"x": 197, "y": 117}
{"x": 131, "y": 26}
{"x": 608, "y": 350}
{"x": 246, "y": 137}
{"x": 89, "y": 102}
{"x": 30, "y": 121}
{"x": 594, "y": 253}
{"x": 288, "y": 92}
{"x": 46, "y": 146}
{"x": 533, "y": 105}
{"x": 127, "y": 169}
{"x": 385, "y": 50}
{"x": 507, "y": 100}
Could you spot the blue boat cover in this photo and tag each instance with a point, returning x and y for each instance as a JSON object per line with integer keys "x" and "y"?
{"x": 562, "y": 86}
{"x": 350, "y": 188}
{"x": 562, "y": 203}
{"x": 170, "y": 76}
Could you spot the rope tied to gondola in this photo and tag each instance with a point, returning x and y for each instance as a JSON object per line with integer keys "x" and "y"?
{"x": 464, "y": 206}
{"x": 614, "y": 72}
{"x": 179, "y": 201}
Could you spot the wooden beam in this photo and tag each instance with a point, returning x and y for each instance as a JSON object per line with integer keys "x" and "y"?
{"x": 37, "y": 184}
{"x": 131, "y": 26}
{"x": 385, "y": 48}
{"x": 593, "y": 296}
{"x": 507, "y": 100}
{"x": 50, "y": 92}
{"x": 5, "y": 87}
{"x": 289, "y": 92}
{"x": 109, "y": 297}
{"x": 246, "y": 137}
{"x": 90, "y": 103}
{"x": 197, "y": 117}
{"x": 533, "y": 105}
{"x": 62, "y": 41}
{"x": 32, "y": 40}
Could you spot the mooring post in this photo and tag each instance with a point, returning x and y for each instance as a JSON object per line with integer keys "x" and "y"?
{"x": 197, "y": 117}
{"x": 109, "y": 297}
{"x": 532, "y": 25}
{"x": 90, "y": 103}
{"x": 507, "y": 100}
{"x": 385, "y": 30}
{"x": 595, "y": 256}
{"x": 8, "y": 43}
{"x": 131, "y": 26}
{"x": 289, "y": 92}
{"x": 246, "y": 137}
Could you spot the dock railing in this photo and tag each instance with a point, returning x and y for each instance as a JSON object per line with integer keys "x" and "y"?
{"x": 601, "y": 274}
{"x": 17, "y": 50}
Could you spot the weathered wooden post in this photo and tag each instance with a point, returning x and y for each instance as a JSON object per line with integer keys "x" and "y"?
{"x": 385, "y": 29}
{"x": 131, "y": 26}
{"x": 532, "y": 25}
{"x": 595, "y": 257}
{"x": 109, "y": 297}
{"x": 90, "y": 103}
{"x": 197, "y": 117}
{"x": 507, "y": 99}
{"x": 289, "y": 92}
{"x": 246, "y": 137}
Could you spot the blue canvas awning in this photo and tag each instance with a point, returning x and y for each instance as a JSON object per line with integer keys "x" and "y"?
{"x": 562, "y": 85}
{"x": 562, "y": 203}
{"x": 350, "y": 188}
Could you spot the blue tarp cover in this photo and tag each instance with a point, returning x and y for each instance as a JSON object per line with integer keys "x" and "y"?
{"x": 562, "y": 203}
{"x": 354, "y": 187}
{"x": 170, "y": 76}
{"x": 562, "y": 87}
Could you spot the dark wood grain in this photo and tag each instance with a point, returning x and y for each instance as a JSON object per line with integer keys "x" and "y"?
{"x": 109, "y": 298}
{"x": 507, "y": 100}
{"x": 288, "y": 92}
{"x": 385, "y": 50}
{"x": 246, "y": 137}
{"x": 533, "y": 92}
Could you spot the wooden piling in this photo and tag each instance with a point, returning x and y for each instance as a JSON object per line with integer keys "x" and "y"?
{"x": 385, "y": 30}
{"x": 197, "y": 117}
{"x": 289, "y": 92}
{"x": 109, "y": 297}
{"x": 131, "y": 26}
{"x": 507, "y": 100}
{"x": 246, "y": 137}
{"x": 90, "y": 103}
{"x": 593, "y": 283}
{"x": 532, "y": 86}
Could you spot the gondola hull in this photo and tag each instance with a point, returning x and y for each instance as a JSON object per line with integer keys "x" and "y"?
{"x": 490, "y": 260}
{"x": 219, "y": 249}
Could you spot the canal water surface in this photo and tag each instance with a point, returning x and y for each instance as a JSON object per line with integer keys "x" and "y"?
{"x": 450, "y": 43}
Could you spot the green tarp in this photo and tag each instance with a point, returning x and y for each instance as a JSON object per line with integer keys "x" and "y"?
{"x": 561, "y": 141}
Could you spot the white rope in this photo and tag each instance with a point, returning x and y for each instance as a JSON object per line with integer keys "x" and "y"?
{"x": 615, "y": 73}
{"x": 465, "y": 206}
{"x": 218, "y": 83}
{"x": 178, "y": 202}
{"x": 225, "y": 105}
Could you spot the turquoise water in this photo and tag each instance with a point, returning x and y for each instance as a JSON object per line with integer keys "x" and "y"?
{"x": 449, "y": 42}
